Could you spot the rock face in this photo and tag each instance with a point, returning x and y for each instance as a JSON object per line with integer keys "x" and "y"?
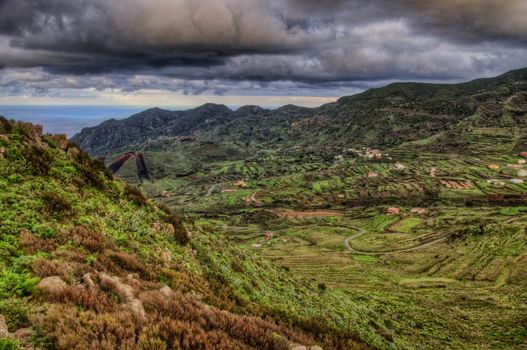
{"x": 53, "y": 285}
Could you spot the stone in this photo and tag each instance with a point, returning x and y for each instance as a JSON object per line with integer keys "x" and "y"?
{"x": 298, "y": 347}
{"x": 52, "y": 285}
{"x": 170, "y": 230}
{"x": 22, "y": 334}
{"x": 4, "y": 333}
{"x": 86, "y": 278}
{"x": 166, "y": 291}
{"x": 156, "y": 226}
{"x": 136, "y": 306}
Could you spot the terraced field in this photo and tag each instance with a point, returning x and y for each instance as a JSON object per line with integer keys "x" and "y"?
{"x": 435, "y": 243}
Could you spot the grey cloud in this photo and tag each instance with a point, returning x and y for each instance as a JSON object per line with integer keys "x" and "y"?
{"x": 192, "y": 46}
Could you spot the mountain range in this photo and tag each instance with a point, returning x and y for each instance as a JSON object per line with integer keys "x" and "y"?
{"x": 383, "y": 117}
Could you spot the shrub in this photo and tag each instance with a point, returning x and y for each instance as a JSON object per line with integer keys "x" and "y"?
{"x": 5, "y": 126}
{"x": 181, "y": 233}
{"x": 9, "y": 344}
{"x": 86, "y": 298}
{"x": 130, "y": 263}
{"x": 40, "y": 159}
{"x": 56, "y": 205}
{"x": 32, "y": 244}
{"x": 91, "y": 175}
{"x": 15, "y": 312}
{"x": 46, "y": 268}
{"x": 135, "y": 195}
{"x": 93, "y": 241}
{"x": 16, "y": 284}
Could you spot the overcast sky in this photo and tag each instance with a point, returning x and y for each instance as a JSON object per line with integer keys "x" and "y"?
{"x": 267, "y": 52}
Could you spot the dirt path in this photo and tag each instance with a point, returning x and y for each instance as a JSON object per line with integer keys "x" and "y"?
{"x": 347, "y": 243}
{"x": 308, "y": 213}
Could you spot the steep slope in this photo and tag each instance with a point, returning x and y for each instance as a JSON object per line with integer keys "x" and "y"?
{"x": 384, "y": 117}
{"x": 87, "y": 262}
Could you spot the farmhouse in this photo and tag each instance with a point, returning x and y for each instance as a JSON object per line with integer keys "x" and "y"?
{"x": 393, "y": 211}
{"x": 399, "y": 166}
{"x": 522, "y": 154}
{"x": 517, "y": 181}
{"x": 372, "y": 174}
{"x": 418, "y": 211}
{"x": 494, "y": 166}
{"x": 522, "y": 161}
{"x": 522, "y": 173}
{"x": 241, "y": 183}
{"x": 268, "y": 235}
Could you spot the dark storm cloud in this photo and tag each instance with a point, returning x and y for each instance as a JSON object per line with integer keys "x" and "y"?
{"x": 178, "y": 44}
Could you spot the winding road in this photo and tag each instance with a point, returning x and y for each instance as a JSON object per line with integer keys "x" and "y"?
{"x": 361, "y": 232}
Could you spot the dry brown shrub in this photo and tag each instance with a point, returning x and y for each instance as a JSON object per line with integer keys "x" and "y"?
{"x": 124, "y": 263}
{"x": 32, "y": 244}
{"x": 80, "y": 296}
{"x": 93, "y": 241}
{"x": 250, "y": 331}
{"x": 135, "y": 195}
{"x": 56, "y": 205}
{"x": 67, "y": 328}
{"x": 46, "y": 268}
{"x": 72, "y": 256}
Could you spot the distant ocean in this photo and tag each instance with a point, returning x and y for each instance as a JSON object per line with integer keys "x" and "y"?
{"x": 67, "y": 119}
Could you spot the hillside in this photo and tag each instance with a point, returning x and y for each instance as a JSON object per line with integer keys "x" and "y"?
{"x": 384, "y": 117}
{"x": 88, "y": 262}
{"x": 409, "y": 201}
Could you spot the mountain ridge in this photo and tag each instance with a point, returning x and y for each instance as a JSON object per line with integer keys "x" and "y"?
{"x": 384, "y": 117}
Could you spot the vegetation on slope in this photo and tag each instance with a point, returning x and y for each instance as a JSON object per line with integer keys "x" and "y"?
{"x": 87, "y": 262}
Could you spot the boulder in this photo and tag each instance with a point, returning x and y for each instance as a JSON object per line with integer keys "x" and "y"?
{"x": 166, "y": 291}
{"x": 52, "y": 285}
{"x": 298, "y": 347}
{"x": 170, "y": 230}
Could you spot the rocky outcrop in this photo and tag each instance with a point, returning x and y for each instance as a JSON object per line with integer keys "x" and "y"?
{"x": 125, "y": 292}
{"x": 53, "y": 285}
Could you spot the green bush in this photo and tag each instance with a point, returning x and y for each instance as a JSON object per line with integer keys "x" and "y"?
{"x": 16, "y": 284}
{"x": 15, "y": 312}
{"x": 9, "y": 344}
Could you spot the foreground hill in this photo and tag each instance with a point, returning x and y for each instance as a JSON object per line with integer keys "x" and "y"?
{"x": 87, "y": 262}
{"x": 384, "y": 117}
